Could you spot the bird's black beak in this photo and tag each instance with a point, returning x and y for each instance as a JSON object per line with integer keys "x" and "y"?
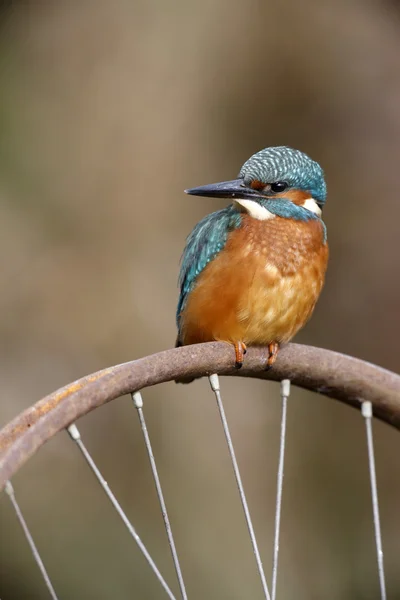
{"x": 226, "y": 189}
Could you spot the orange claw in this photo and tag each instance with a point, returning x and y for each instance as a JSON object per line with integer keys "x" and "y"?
{"x": 240, "y": 351}
{"x": 273, "y": 349}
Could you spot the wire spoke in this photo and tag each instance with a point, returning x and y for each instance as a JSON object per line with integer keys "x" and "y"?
{"x": 366, "y": 411}
{"x": 285, "y": 392}
{"x": 75, "y": 435}
{"x": 215, "y": 386}
{"x": 138, "y": 402}
{"x": 9, "y": 489}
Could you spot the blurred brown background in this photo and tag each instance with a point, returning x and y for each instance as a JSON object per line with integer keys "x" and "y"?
{"x": 108, "y": 110}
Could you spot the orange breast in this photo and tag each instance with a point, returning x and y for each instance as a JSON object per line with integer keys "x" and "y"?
{"x": 262, "y": 287}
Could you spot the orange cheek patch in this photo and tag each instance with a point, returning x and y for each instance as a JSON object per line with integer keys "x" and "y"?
{"x": 295, "y": 196}
{"x": 257, "y": 185}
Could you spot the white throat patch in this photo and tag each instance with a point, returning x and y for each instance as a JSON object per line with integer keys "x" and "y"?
{"x": 312, "y": 206}
{"x": 254, "y": 209}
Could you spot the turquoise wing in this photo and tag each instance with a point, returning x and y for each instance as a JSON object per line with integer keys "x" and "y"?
{"x": 203, "y": 244}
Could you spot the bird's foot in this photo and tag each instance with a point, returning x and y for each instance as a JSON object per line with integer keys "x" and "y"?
{"x": 273, "y": 349}
{"x": 240, "y": 351}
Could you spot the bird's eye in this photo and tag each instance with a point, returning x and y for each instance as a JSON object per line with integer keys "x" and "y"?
{"x": 278, "y": 186}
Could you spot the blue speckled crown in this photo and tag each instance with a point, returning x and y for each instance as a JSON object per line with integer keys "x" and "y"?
{"x": 282, "y": 163}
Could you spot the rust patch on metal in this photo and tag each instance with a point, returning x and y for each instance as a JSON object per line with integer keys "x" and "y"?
{"x": 29, "y": 417}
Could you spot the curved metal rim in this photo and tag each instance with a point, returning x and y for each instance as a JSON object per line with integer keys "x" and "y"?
{"x": 335, "y": 375}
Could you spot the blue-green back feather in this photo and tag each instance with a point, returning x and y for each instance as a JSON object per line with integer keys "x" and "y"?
{"x": 206, "y": 240}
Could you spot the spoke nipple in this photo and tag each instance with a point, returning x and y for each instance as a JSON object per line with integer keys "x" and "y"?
{"x": 137, "y": 400}
{"x": 366, "y": 410}
{"x": 74, "y": 432}
{"x": 8, "y": 488}
{"x": 285, "y": 387}
{"x": 214, "y": 382}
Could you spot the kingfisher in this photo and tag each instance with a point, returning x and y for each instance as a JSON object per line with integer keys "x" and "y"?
{"x": 252, "y": 272}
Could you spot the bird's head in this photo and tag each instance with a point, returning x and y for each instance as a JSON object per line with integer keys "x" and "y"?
{"x": 275, "y": 181}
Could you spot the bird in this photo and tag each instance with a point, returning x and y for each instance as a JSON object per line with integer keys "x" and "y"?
{"x": 251, "y": 273}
